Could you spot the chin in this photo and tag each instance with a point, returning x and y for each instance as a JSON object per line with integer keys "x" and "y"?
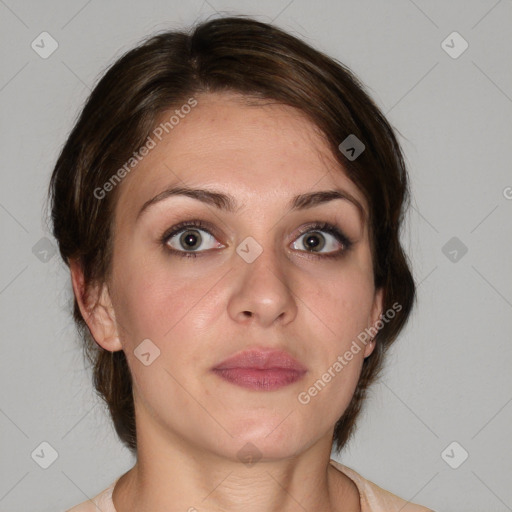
{"x": 270, "y": 438}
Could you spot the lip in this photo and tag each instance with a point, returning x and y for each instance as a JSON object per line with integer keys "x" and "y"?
{"x": 261, "y": 359}
{"x": 261, "y": 369}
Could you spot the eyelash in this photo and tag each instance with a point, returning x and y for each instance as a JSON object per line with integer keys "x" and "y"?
{"x": 316, "y": 226}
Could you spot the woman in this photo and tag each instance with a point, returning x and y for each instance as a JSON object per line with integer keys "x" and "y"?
{"x": 229, "y": 205}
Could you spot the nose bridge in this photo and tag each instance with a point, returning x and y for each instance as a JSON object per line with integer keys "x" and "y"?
{"x": 263, "y": 244}
{"x": 261, "y": 255}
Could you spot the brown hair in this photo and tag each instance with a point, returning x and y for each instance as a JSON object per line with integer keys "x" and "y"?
{"x": 234, "y": 54}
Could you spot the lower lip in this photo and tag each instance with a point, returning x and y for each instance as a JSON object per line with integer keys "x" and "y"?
{"x": 261, "y": 380}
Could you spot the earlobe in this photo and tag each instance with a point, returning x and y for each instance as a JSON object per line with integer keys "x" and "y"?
{"x": 96, "y": 307}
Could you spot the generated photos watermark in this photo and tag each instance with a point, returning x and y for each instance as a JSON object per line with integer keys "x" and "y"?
{"x": 342, "y": 360}
{"x": 151, "y": 142}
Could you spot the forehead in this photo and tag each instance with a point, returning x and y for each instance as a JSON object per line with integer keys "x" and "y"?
{"x": 260, "y": 153}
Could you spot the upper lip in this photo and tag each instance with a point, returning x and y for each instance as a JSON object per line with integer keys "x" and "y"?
{"x": 261, "y": 359}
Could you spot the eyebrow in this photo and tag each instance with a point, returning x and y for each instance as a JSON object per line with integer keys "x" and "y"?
{"x": 229, "y": 204}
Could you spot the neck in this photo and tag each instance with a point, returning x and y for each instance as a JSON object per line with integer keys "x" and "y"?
{"x": 173, "y": 477}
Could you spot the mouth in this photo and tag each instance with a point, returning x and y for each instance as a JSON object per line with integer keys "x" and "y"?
{"x": 260, "y": 369}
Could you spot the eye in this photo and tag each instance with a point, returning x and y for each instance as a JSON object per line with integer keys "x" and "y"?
{"x": 314, "y": 240}
{"x": 190, "y": 241}
{"x": 190, "y": 238}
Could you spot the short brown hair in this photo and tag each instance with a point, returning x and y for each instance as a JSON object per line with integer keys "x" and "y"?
{"x": 232, "y": 54}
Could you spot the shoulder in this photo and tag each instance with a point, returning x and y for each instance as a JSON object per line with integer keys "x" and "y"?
{"x": 101, "y": 502}
{"x": 376, "y": 499}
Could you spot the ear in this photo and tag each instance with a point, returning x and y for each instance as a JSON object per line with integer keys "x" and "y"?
{"x": 374, "y": 316}
{"x": 96, "y": 307}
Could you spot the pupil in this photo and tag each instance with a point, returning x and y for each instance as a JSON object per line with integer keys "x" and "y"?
{"x": 190, "y": 239}
{"x": 312, "y": 241}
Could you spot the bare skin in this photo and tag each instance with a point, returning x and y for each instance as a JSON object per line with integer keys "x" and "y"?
{"x": 191, "y": 424}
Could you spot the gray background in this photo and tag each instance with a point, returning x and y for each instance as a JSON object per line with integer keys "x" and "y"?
{"x": 448, "y": 377}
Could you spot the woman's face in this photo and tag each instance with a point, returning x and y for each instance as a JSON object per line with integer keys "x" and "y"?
{"x": 262, "y": 278}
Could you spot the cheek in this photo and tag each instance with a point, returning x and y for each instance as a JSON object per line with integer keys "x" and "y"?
{"x": 161, "y": 306}
{"x": 341, "y": 310}
{"x": 338, "y": 358}
{"x": 159, "y": 302}
{"x": 342, "y": 303}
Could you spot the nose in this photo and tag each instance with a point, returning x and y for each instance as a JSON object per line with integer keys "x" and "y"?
{"x": 261, "y": 287}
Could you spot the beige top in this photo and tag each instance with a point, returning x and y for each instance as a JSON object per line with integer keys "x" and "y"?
{"x": 373, "y": 498}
